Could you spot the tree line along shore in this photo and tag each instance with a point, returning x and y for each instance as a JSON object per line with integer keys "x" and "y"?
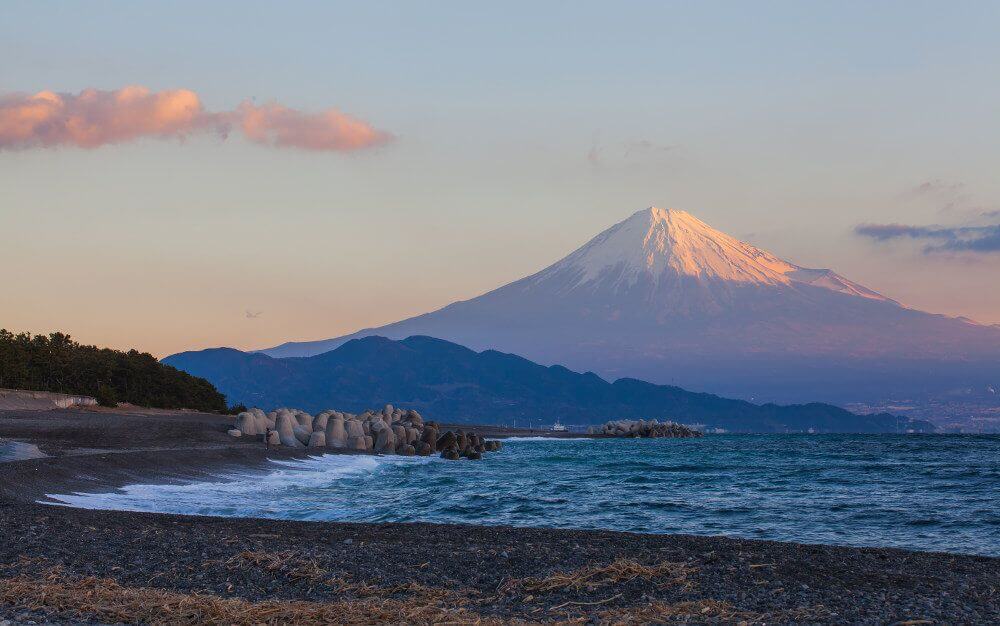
{"x": 56, "y": 363}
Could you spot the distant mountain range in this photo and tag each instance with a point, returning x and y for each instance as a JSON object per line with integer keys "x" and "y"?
{"x": 449, "y": 382}
{"x": 664, "y": 297}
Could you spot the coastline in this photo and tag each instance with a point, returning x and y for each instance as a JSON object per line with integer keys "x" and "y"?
{"x": 408, "y": 572}
{"x": 97, "y": 449}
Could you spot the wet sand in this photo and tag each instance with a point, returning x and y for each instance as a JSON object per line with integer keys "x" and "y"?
{"x": 71, "y": 565}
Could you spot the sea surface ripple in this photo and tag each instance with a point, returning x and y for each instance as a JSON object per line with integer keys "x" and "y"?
{"x": 925, "y": 492}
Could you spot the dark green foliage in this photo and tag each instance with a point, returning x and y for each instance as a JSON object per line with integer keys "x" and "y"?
{"x": 57, "y": 363}
{"x": 106, "y": 395}
{"x": 236, "y": 409}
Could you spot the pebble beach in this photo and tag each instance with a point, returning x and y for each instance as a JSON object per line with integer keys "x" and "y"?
{"x": 68, "y": 565}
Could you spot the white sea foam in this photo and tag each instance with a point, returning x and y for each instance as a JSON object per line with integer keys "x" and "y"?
{"x": 761, "y": 487}
{"x": 244, "y": 493}
{"x": 540, "y": 438}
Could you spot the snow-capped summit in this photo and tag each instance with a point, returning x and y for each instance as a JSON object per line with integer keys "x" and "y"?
{"x": 664, "y": 297}
{"x": 658, "y": 244}
{"x": 657, "y": 241}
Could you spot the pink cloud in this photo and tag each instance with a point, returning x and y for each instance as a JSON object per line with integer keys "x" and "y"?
{"x": 95, "y": 118}
{"x": 277, "y": 125}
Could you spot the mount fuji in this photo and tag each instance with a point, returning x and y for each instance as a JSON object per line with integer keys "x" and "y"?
{"x": 662, "y": 296}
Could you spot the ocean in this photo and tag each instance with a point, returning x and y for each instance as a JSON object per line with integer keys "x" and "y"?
{"x": 923, "y": 492}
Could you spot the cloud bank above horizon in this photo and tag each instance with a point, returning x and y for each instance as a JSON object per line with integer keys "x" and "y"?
{"x": 972, "y": 239}
{"x": 94, "y": 118}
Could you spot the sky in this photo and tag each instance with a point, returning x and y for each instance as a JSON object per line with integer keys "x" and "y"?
{"x": 186, "y": 175}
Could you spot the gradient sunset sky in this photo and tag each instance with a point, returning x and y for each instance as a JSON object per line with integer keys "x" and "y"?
{"x": 183, "y": 175}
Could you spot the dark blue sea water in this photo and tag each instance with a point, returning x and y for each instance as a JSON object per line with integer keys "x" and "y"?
{"x": 915, "y": 491}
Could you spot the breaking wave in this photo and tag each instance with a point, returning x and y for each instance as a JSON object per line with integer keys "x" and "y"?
{"x": 919, "y": 492}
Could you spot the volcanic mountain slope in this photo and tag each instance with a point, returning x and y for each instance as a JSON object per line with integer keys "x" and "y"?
{"x": 664, "y": 297}
{"x": 448, "y": 382}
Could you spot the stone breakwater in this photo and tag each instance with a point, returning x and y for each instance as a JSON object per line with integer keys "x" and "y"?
{"x": 389, "y": 431}
{"x": 644, "y": 428}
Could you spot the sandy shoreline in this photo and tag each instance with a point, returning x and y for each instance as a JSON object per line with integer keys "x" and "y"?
{"x": 101, "y": 450}
{"x": 405, "y": 572}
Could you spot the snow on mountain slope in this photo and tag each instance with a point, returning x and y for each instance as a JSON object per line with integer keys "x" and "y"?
{"x": 828, "y": 279}
{"x": 657, "y": 242}
{"x": 664, "y": 297}
{"x": 669, "y": 241}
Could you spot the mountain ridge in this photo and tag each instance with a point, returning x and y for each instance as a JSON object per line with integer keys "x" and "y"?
{"x": 662, "y": 296}
{"x": 451, "y": 382}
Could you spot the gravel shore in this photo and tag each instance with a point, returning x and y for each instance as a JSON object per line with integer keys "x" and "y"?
{"x": 68, "y": 565}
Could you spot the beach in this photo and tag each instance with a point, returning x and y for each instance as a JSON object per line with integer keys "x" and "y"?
{"x": 63, "y": 564}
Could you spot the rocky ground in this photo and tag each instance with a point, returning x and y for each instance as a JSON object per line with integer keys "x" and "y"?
{"x": 391, "y": 430}
{"x": 635, "y": 429}
{"x": 76, "y": 566}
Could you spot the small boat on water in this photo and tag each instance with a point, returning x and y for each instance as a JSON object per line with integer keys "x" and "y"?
{"x": 559, "y": 428}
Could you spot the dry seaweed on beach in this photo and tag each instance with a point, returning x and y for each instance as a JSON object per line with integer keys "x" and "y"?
{"x": 299, "y": 568}
{"x": 594, "y": 576}
{"x": 700, "y": 610}
{"x": 106, "y": 600}
{"x": 286, "y": 562}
